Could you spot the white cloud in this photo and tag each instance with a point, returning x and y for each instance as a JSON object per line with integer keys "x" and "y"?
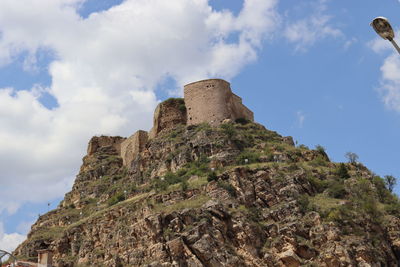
{"x": 379, "y": 45}
{"x": 389, "y": 88}
{"x": 390, "y": 85}
{"x": 104, "y": 76}
{"x": 9, "y": 242}
{"x": 315, "y": 27}
{"x": 300, "y": 118}
{"x": 349, "y": 43}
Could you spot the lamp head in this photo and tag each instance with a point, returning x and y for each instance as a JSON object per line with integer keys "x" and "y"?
{"x": 383, "y": 28}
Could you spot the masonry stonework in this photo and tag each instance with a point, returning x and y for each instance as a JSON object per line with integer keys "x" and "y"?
{"x": 45, "y": 258}
{"x": 212, "y": 101}
{"x": 98, "y": 142}
{"x": 132, "y": 146}
{"x": 167, "y": 115}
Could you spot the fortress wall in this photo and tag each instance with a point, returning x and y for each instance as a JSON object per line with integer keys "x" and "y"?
{"x": 239, "y": 110}
{"x": 206, "y": 101}
{"x": 167, "y": 115}
{"x": 102, "y": 141}
{"x": 132, "y": 146}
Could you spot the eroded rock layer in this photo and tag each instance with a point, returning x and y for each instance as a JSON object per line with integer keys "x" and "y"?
{"x": 233, "y": 195}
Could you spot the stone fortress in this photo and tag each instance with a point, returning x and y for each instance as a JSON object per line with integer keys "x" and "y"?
{"x": 208, "y": 101}
{"x": 212, "y": 101}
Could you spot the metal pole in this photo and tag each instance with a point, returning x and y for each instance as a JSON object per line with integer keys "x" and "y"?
{"x": 395, "y": 45}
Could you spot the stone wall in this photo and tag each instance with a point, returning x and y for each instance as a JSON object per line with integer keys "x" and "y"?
{"x": 45, "y": 258}
{"x": 212, "y": 101}
{"x": 167, "y": 115}
{"x": 132, "y": 146}
{"x": 97, "y": 142}
{"x": 238, "y": 110}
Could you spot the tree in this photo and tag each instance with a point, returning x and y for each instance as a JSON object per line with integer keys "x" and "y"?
{"x": 352, "y": 157}
{"x": 390, "y": 182}
{"x": 320, "y": 149}
{"x": 342, "y": 171}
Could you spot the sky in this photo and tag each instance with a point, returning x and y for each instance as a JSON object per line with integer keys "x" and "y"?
{"x": 72, "y": 69}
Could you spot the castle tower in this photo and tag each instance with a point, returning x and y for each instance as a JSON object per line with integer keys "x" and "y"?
{"x": 212, "y": 101}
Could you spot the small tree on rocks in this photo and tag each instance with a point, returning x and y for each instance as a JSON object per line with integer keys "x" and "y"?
{"x": 352, "y": 157}
{"x": 390, "y": 182}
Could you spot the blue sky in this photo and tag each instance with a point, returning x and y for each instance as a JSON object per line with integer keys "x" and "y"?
{"x": 71, "y": 69}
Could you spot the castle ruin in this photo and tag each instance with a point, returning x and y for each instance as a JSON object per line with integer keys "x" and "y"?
{"x": 212, "y": 101}
{"x": 208, "y": 101}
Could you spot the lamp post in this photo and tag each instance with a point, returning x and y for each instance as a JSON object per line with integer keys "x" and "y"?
{"x": 383, "y": 28}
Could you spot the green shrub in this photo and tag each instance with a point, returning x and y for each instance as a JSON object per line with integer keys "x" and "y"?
{"x": 184, "y": 185}
{"x": 159, "y": 184}
{"x": 336, "y": 189}
{"x": 364, "y": 200}
{"x": 229, "y": 130}
{"x": 393, "y": 209}
{"x": 370, "y": 206}
{"x": 301, "y": 146}
{"x": 279, "y": 147}
{"x": 115, "y": 199}
{"x": 254, "y": 214}
{"x": 182, "y": 107}
{"x": 176, "y": 101}
{"x": 228, "y": 187}
{"x": 383, "y": 193}
{"x": 172, "y": 178}
{"x": 341, "y": 214}
{"x": 251, "y": 156}
{"x": 342, "y": 172}
{"x": 320, "y": 149}
{"x": 319, "y": 161}
{"x": 318, "y": 184}
{"x": 304, "y": 203}
{"x": 199, "y": 167}
{"x": 293, "y": 167}
{"x": 212, "y": 176}
{"x": 242, "y": 121}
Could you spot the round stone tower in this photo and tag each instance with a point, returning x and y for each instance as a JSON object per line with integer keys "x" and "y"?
{"x": 212, "y": 101}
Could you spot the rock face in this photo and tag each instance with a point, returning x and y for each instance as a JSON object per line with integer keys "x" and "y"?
{"x": 233, "y": 195}
{"x": 167, "y": 115}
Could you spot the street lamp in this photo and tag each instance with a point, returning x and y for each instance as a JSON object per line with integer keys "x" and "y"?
{"x": 383, "y": 28}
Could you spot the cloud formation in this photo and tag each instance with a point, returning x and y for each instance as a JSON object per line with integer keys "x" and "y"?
{"x": 306, "y": 31}
{"x": 390, "y": 84}
{"x": 9, "y": 242}
{"x": 105, "y": 72}
{"x": 389, "y": 88}
{"x": 300, "y": 118}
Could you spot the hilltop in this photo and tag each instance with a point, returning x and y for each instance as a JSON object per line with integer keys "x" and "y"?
{"x": 225, "y": 192}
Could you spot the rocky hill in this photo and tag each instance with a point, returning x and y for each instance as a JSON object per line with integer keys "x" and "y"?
{"x": 232, "y": 195}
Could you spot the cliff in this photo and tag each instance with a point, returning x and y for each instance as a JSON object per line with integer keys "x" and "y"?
{"x": 233, "y": 195}
{"x": 209, "y": 187}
